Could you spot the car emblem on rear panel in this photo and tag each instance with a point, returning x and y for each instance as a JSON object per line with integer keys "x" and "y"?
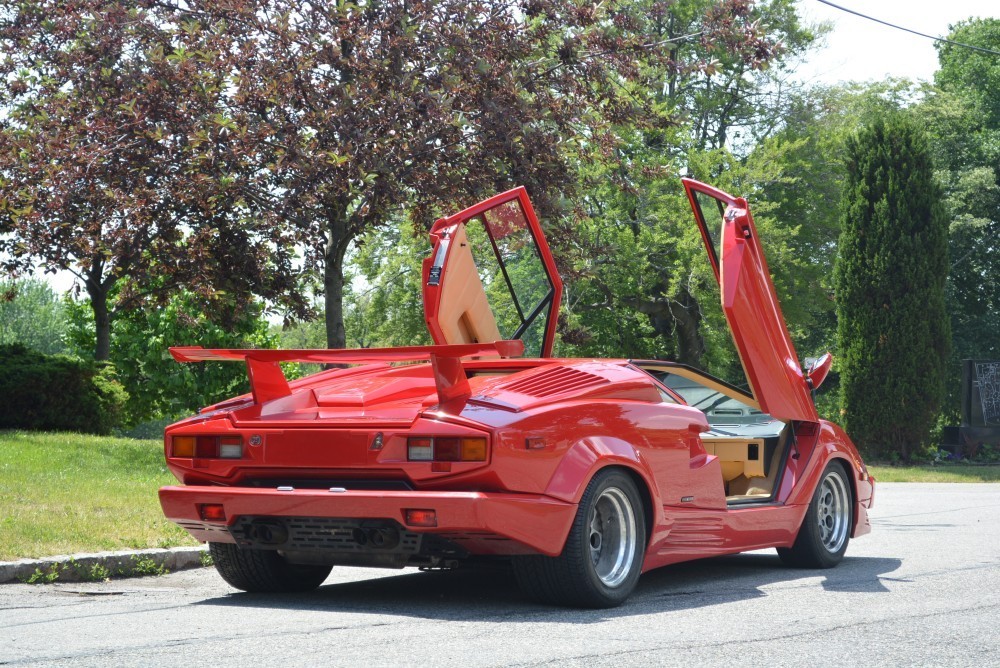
{"x": 256, "y": 440}
{"x": 377, "y": 442}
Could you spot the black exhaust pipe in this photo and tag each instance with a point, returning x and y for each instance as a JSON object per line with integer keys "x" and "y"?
{"x": 267, "y": 532}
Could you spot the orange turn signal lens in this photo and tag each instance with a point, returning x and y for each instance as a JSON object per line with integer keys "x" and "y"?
{"x": 473, "y": 449}
{"x": 183, "y": 446}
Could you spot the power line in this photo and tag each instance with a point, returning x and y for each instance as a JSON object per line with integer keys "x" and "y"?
{"x": 893, "y": 25}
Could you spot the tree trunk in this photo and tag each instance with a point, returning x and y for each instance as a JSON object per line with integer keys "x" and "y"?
{"x": 686, "y": 315}
{"x": 333, "y": 280}
{"x": 98, "y": 290}
{"x": 676, "y": 319}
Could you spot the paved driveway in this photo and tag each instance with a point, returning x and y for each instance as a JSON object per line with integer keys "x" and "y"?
{"x": 922, "y": 589}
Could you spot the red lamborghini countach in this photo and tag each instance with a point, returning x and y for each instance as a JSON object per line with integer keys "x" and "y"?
{"x": 583, "y": 473}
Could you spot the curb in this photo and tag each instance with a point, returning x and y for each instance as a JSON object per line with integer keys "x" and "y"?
{"x": 103, "y": 565}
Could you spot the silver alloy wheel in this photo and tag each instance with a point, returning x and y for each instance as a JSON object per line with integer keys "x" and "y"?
{"x": 833, "y": 512}
{"x": 612, "y": 536}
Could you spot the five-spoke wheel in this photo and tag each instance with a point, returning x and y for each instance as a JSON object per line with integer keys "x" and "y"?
{"x": 612, "y": 536}
{"x": 601, "y": 562}
{"x": 826, "y": 529}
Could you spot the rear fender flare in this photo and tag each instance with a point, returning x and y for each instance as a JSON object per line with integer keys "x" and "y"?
{"x": 586, "y": 457}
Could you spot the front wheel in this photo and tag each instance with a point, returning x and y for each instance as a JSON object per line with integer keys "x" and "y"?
{"x": 264, "y": 570}
{"x": 826, "y": 529}
{"x": 602, "y": 559}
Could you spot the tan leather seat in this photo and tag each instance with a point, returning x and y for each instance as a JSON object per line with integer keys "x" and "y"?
{"x": 756, "y": 487}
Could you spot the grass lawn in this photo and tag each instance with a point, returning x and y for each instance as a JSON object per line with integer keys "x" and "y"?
{"x": 62, "y": 493}
{"x": 939, "y": 473}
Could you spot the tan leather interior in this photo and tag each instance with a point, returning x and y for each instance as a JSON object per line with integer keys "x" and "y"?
{"x": 464, "y": 313}
{"x": 744, "y": 487}
{"x": 735, "y": 456}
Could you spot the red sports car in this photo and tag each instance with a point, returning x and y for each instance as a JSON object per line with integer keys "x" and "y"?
{"x": 584, "y": 473}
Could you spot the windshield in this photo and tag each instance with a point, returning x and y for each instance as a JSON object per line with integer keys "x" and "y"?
{"x": 725, "y": 414}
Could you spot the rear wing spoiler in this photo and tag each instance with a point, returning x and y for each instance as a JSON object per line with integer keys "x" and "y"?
{"x": 268, "y": 382}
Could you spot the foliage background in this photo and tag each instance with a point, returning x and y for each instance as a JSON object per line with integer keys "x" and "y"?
{"x": 221, "y": 221}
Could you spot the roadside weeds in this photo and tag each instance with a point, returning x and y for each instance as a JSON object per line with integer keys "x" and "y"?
{"x": 101, "y": 566}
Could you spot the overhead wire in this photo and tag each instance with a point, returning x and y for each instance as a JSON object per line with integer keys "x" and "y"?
{"x": 915, "y": 32}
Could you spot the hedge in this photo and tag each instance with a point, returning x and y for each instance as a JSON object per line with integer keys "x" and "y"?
{"x": 57, "y": 393}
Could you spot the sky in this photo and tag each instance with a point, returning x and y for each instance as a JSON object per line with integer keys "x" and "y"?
{"x": 860, "y": 50}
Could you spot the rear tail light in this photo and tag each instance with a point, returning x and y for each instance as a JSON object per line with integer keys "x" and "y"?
{"x": 183, "y": 446}
{"x": 230, "y": 447}
{"x": 419, "y": 517}
{"x": 212, "y": 512}
{"x": 446, "y": 449}
{"x": 207, "y": 447}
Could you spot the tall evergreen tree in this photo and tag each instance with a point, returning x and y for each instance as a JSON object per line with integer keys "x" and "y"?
{"x": 890, "y": 279}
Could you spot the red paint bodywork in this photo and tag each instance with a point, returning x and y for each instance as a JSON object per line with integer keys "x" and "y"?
{"x": 550, "y": 425}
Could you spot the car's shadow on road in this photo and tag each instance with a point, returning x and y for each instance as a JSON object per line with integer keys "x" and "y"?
{"x": 492, "y": 592}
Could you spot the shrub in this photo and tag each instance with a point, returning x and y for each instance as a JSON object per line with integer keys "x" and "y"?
{"x": 890, "y": 278}
{"x": 57, "y": 393}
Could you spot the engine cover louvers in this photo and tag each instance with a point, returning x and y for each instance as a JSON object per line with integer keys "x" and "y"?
{"x": 553, "y": 381}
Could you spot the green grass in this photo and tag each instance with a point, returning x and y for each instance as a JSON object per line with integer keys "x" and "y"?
{"x": 939, "y": 473}
{"x": 62, "y": 493}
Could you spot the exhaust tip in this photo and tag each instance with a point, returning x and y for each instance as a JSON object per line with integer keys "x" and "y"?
{"x": 267, "y": 533}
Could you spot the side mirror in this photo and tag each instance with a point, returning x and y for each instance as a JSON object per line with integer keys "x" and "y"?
{"x": 817, "y": 369}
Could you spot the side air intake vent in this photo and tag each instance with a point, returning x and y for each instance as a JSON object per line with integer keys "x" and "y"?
{"x": 552, "y": 381}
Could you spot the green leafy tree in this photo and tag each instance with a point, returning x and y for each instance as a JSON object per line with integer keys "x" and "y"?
{"x": 159, "y": 387}
{"x": 962, "y": 114}
{"x": 640, "y": 283}
{"x": 115, "y": 161}
{"x": 890, "y": 285}
{"x": 31, "y": 314}
{"x": 975, "y": 73}
{"x": 348, "y": 114}
{"x": 385, "y": 302}
{"x": 799, "y": 174}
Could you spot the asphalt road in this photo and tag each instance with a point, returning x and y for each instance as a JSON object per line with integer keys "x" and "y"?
{"x": 922, "y": 589}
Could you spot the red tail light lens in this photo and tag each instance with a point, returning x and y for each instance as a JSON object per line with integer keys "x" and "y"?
{"x": 212, "y": 512}
{"x": 207, "y": 446}
{"x": 420, "y": 517}
{"x": 446, "y": 449}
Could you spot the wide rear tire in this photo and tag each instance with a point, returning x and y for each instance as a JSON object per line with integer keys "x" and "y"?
{"x": 602, "y": 559}
{"x": 264, "y": 570}
{"x": 826, "y": 529}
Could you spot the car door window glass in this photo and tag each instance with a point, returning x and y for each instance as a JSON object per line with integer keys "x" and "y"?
{"x": 514, "y": 277}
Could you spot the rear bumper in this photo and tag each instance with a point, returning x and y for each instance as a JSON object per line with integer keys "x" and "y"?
{"x": 539, "y": 523}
